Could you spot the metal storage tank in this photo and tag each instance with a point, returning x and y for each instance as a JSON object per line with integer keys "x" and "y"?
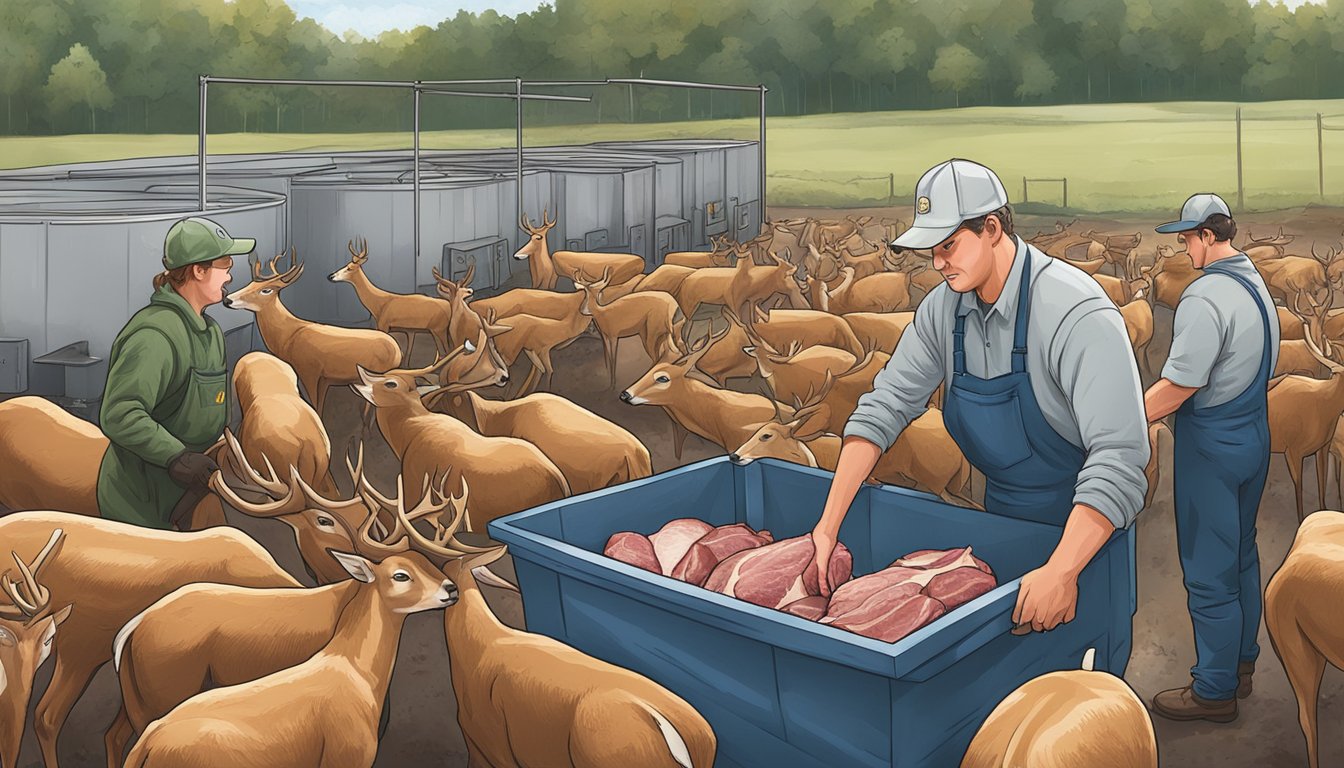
{"x": 76, "y": 264}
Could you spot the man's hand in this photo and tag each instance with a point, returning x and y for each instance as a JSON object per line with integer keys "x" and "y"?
{"x": 1048, "y": 597}
{"x": 823, "y": 544}
{"x": 189, "y": 468}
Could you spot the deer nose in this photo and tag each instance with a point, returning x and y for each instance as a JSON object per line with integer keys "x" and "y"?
{"x": 625, "y": 396}
{"x": 503, "y": 377}
{"x": 733, "y": 457}
{"x": 228, "y": 302}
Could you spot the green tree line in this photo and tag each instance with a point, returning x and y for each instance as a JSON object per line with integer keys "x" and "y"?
{"x": 72, "y": 66}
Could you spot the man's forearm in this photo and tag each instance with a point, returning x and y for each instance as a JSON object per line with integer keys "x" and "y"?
{"x": 1084, "y": 534}
{"x": 1164, "y": 397}
{"x": 857, "y": 459}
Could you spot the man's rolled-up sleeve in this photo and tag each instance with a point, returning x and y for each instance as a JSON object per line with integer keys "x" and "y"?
{"x": 901, "y": 390}
{"x": 1098, "y": 375}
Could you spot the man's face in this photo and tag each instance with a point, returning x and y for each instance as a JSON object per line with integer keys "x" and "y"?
{"x": 1197, "y": 244}
{"x": 966, "y": 259}
{"x": 215, "y": 278}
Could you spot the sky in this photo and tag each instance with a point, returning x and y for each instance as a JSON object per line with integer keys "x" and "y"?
{"x": 370, "y": 17}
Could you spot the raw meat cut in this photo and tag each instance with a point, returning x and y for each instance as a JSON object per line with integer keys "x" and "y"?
{"x": 632, "y": 548}
{"x": 959, "y": 585}
{"x": 889, "y": 583}
{"x": 811, "y": 608}
{"x": 712, "y": 548}
{"x": 940, "y": 558}
{"x": 776, "y": 574}
{"x": 672, "y": 541}
{"x": 889, "y": 621}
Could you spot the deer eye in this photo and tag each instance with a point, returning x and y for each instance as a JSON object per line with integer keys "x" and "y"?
{"x": 390, "y": 384}
{"x": 765, "y": 437}
{"x": 325, "y": 522}
{"x": 267, "y": 291}
{"x": 536, "y": 237}
{"x": 662, "y": 378}
{"x": 401, "y": 576}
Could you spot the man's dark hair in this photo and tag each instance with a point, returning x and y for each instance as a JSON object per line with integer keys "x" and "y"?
{"x": 1222, "y": 227}
{"x": 1004, "y": 215}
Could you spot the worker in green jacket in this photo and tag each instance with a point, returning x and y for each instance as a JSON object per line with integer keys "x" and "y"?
{"x": 166, "y": 399}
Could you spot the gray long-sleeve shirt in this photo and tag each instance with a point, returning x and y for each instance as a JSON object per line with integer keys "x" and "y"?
{"x": 1081, "y": 364}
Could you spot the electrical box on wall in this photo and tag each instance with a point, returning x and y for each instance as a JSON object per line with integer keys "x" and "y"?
{"x": 13, "y": 366}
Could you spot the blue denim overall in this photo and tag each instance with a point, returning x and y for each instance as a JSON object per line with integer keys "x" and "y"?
{"x": 1222, "y": 458}
{"x": 1030, "y": 471}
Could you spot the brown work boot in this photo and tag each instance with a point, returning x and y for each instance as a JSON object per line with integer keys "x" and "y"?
{"x": 1185, "y": 704}
{"x": 1244, "y": 671}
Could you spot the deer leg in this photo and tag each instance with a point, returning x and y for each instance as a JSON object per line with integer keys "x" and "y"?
{"x": 1295, "y": 472}
{"x": 609, "y": 352}
{"x": 1322, "y": 471}
{"x": 320, "y": 398}
{"x": 678, "y": 437}
{"x": 1304, "y": 664}
{"x": 78, "y": 657}
{"x": 410, "y": 346}
{"x": 118, "y": 737}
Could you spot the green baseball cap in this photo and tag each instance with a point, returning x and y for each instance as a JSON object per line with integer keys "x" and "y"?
{"x": 196, "y": 240}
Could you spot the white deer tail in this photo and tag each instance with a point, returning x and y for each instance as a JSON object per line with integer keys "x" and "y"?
{"x": 1089, "y": 659}
{"x": 675, "y": 744}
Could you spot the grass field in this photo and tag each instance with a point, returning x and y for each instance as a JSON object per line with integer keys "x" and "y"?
{"x": 1117, "y": 157}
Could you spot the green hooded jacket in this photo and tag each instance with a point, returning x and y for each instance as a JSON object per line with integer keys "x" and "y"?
{"x": 167, "y": 391}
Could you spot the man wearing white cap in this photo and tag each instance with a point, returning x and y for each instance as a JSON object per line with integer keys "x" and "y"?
{"x": 1042, "y": 393}
{"x": 1224, "y": 349}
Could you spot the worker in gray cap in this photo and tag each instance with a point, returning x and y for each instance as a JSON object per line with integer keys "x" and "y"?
{"x": 1041, "y": 390}
{"x": 166, "y": 399}
{"x": 1224, "y": 349}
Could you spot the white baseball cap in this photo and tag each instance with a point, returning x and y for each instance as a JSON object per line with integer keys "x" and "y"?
{"x": 947, "y": 195}
{"x": 1195, "y": 212}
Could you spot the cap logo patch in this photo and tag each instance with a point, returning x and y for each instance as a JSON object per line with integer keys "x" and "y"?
{"x": 220, "y": 231}
{"x": 922, "y": 205}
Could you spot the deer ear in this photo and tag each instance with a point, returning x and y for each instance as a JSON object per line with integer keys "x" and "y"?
{"x": 359, "y": 568}
{"x": 63, "y": 614}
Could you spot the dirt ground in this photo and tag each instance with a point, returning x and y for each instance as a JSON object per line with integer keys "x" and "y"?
{"x": 424, "y": 730}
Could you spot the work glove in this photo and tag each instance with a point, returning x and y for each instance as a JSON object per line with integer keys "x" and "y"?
{"x": 189, "y": 468}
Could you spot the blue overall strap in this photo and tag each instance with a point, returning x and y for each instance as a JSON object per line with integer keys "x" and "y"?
{"x": 959, "y": 346}
{"x": 1265, "y": 371}
{"x": 1023, "y": 310}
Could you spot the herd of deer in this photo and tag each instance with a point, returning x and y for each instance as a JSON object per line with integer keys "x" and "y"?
{"x": 216, "y": 607}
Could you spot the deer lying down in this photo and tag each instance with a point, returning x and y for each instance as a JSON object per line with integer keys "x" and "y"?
{"x": 525, "y": 699}
{"x": 227, "y": 635}
{"x": 1302, "y": 616}
{"x": 27, "y": 629}
{"x": 97, "y": 560}
{"x": 1073, "y": 718}
{"x": 323, "y": 712}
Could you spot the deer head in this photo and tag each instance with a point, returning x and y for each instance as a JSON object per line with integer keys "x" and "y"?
{"x": 455, "y": 291}
{"x": 786, "y": 439}
{"x": 398, "y": 388}
{"x": 536, "y": 240}
{"x": 661, "y": 384}
{"x": 592, "y": 289}
{"x": 27, "y": 631}
{"x": 464, "y": 563}
{"x": 357, "y": 259}
{"x": 264, "y": 290}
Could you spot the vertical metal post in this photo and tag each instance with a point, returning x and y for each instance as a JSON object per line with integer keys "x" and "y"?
{"x": 764, "y": 218}
{"x": 1320, "y": 156}
{"x": 200, "y": 145}
{"x": 1024, "y": 189}
{"x": 1241, "y": 191}
{"x": 891, "y": 188}
{"x": 518, "y": 214}
{"x": 415, "y": 175}
{"x": 1066, "y": 192}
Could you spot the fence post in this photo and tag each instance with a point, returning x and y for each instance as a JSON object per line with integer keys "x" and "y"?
{"x": 1066, "y": 192}
{"x": 1241, "y": 198}
{"x": 1320, "y": 156}
{"x": 1024, "y": 189}
{"x": 891, "y": 188}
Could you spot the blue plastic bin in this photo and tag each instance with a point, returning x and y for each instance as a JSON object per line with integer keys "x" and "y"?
{"x": 784, "y": 692}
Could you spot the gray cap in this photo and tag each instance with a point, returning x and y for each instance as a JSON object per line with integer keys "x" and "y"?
{"x": 1195, "y": 212}
{"x": 948, "y": 194}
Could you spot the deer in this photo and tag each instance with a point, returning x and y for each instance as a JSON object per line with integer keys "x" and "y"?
{"x": 323, "y": 355}
{"x": 1289, "y": 277}
{"x": 27, "y": 629}
{"x": 1305, "y": 630}
{"x": 884, "y": 292}
{"x": 591, "y": 452}
{"x": 537, "y": 302}
{"x": 726, "y": 359}
{"x": 432, "y": 444}
{"x": 1272, "y": 247}
{"x": 223, "y": 634}
{"x": 1138, "y": 312}
{"x": 1303, "y": 412}
{"x": 1172, "y": 272}
{"x": 791, "y": 373}
{"x": 879, "y": 331}
{"x": 653, "y": 316}
{"x": 924, "y": 455}
{"x": 742, "y": 283}
{"x": 528, "y": 699}
{"x": 546, "y": 266}
{"x": 721, "y": 416}
{"x": 325, "y": 710}
{"x": 278, "y": 422}
{"x": 536, "y": 338}
{"x": 485, "y": 366}
{"x": 51, "y": 459}
{"x": 222, "y": 554}
{"x": 410, "y": 314}
{"x": 923, "y": 277}
{"x": 718, "y": 256}
{"x": 1073, "y": 717}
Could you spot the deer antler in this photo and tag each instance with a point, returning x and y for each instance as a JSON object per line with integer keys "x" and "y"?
{"x": 37, "y": 602}
{"x": 362, "y": 255}
{"x": 545, "y": 222}
{"x": 444, "y": 542}
{"x": 465, "y": 346}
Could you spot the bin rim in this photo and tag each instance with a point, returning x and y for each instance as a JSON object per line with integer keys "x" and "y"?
{"x": 967, "y": 627}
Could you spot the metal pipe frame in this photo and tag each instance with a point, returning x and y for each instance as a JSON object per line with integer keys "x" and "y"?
{"x": 523, "y": 96}
{"x": 415, "y": 194}
{"x": 518, "y": 125}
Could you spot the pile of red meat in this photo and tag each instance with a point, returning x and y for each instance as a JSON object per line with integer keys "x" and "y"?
{"x": 750, "y": 565}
